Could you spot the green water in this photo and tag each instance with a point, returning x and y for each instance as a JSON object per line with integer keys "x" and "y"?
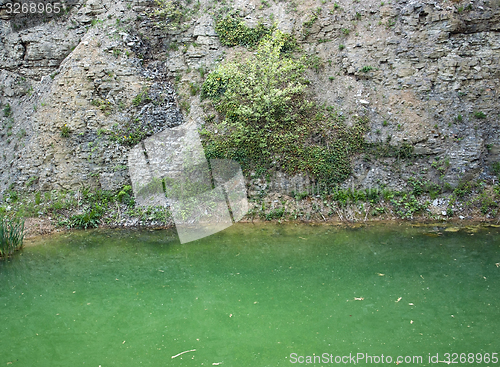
{"x": 250, "y": 296}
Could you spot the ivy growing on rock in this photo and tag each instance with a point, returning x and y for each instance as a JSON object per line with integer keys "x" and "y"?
{"x": 233, "y": 31}
{"x": 267, "y": 120}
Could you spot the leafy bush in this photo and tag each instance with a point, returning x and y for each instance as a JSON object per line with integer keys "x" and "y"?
{"x": 267, "y": 120}
{"x": 11, "y": 236}
{"x": 233, "y": 31}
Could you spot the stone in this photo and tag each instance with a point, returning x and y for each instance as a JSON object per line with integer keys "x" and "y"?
{"x": 425, "y": 63}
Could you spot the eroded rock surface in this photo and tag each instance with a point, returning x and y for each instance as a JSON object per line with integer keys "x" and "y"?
{"x": 80, "y": 84}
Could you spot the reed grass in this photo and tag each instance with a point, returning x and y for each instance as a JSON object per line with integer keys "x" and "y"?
{"x": 11, "y": 236}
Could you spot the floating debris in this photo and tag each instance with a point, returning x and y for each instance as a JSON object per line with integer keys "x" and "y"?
{"x": 472, "y": 229}
{"x": 181, "y": 353}
{"x": 432, "y": 234}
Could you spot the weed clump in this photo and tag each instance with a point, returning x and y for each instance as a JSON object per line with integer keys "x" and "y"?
{"x": 11, "y": 236}
{"x": 233, "y": 31}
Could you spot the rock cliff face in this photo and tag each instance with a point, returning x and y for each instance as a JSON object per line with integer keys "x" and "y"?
{"x": 79, "y": 90}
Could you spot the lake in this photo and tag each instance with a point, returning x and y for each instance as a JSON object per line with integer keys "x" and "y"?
{"x": 254, "y": 295}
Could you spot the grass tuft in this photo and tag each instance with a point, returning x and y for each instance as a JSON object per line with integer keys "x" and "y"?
{"x": 11, "y": 236}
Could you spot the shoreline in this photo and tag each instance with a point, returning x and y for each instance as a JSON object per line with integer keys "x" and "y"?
{"x": 59, "y": 212}
{"x": 38, "y": 227}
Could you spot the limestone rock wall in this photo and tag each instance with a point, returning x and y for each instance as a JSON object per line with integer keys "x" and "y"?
{"x": 420, "y": 70}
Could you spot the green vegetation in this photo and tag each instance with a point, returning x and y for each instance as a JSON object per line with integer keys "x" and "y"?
{"x": 11, "y": 236}
{"x": 104, "y": 106}
{"x": 264, "y": 3}
{"x": 387, "y": 150}
{"x": 461, "y": 8}
{"x": 496, "y": 189}
{"x": 21, "y": 133}
{"x": 194, "y": 89}
{"x": 130, "y": 133}
{"x": 89, "y": 219}
{"x": 352, "y": 196}
{"x": 96, "y": 22}
{"x": 391, "y": 23}
{"x": 487, "y": 204}
{"x": 479, "y": 115}
{"x": 84, "y": 208}
{"x": 495, "y": 168}
{"x": 93, "y": 205}
{"x": 173, "y": 46}
{"x": 314, "y": 62}
{"x": 233, "y": 31}
{"x": 407, "y": 205}
{"x": 65, "y": 131}
{"x": 7, "y": 110}
{"x": 31, "y": 181}
{"x": 463, "y": 189}
{"x": 309, "y": 23}
{"x": 366, "y": 69}
{"x": 326, "y": 204}
{"x": 419, "y": 187}
{"x": 141, "y": 98}
{"x": 170, "y": 14}
{"x": 267, "y": 121}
